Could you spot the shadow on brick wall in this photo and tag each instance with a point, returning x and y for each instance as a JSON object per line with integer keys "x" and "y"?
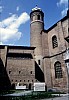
{"x": 4, "y": 79}
{"x": 39, "y": 75}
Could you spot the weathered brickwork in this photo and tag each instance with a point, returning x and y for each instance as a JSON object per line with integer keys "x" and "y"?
{"x": 26, "y": 65}
{"x": 23, "y": 72}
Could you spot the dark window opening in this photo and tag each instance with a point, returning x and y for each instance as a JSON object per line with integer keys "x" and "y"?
{"x": 58, "y": 70}
{"x": 38, "y": 17}
{"x": 19, "y": 72}
{"x": 9, "y": 72}
{"x": 54, "y": 41}
{"x": 12, "y": 80}
{"x": 31, "y": 72}
{"x": 20, "y": 80}
{"x": 30, "y": 86}
{"x": 28, "y": 80}
{"x": 39, "y": 62}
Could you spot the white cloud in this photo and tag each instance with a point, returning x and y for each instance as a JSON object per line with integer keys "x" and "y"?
{"x": 65, "y": 2}
{"x": 9, "y": 28}
{"x": 64, "y": 5}
{"x": 64, "y": 12}
{"x": 17, "y": 9}
{"x": 7, "y": 34}
{"x": 21, "y": 19}
{"x": 8, "y": 21}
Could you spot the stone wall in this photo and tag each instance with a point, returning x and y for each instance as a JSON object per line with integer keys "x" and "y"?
{"x": 21, "y": 71}
{"x": 55, "y": 54}
{"x": 61, "y": 83}
{"x": 20, "y": 68}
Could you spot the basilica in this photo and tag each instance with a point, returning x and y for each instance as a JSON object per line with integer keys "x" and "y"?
{"x": 42, "y": 61}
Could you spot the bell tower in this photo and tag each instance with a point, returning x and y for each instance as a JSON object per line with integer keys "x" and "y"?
{"x": 36, "y": 27}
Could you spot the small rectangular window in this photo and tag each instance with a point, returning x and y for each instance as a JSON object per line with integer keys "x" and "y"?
{"x": 28, "y": 80}
{"x": 9, "y": 72}
{"x": 39, "y": 62}
{"x": 20, "y": 80}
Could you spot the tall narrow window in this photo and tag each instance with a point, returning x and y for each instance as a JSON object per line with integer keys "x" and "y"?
{"x": 39, "y": 62}
{"x": 19, "y": 72}
{"x": 38, "y": 17}
{"x": 54, "y": 41}
{"x": 30, "y": 72}
{"x": 58, "y": 70}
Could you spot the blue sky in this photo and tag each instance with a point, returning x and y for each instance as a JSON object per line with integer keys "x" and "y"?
{"x": 15, "y": 19}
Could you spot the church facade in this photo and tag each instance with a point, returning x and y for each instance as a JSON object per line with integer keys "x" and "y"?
{"x": 43, "y": 61}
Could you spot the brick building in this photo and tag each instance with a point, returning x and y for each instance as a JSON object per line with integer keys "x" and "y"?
{"x": 43, "y": 61}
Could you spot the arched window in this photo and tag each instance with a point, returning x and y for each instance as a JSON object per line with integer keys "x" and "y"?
{"x": 38, "y": 17}
{"x": 58, "y": 70}
{"x": 54, "y": 41}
